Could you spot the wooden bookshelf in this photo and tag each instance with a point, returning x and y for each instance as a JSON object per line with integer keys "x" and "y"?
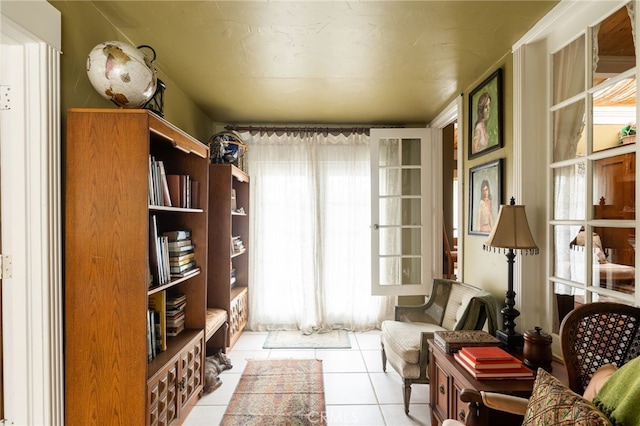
{"x": 227, "y": 222}
{"x": 108, "y": 374}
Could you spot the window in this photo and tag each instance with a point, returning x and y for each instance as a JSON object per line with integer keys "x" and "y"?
{"x": 592, "y": 166}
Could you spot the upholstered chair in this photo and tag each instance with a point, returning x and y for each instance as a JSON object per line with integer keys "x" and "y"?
{"x": 451, "y": 305}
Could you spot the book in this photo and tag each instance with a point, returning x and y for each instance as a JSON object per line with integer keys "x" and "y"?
{"x": 164, "y": 251}
{"x": 182, "y": 268}
{"x": 185, "y": 273}
{"x": 173, "y": 182}
{"x": 234, "y": 203}
{"x": 174, "y": 331}
{"x": 179, "y": 243}
{"x": 181, "y": 260}
{"x": 175, "y": 320}
{"x": 157, "y": 303}
{"x": 166, "y": 197}
{"x": 155, "y": 258}
{"x": 153, "y": 181}
{"x": 152, "y": 327}
{"x": 182, "y": 249}
{"x": 151, "y": 190}
{"x": 184, "y": 193}
{"x": 175, "y": 301}
{"x": 176, "y": 304}
{"x": 149, "y": 343}
{"x": 195, "y": 194}
{"x": 452, "y": 341}
{"x": 506, "y": 363}
{"x": 487, "y": 354}
{"x": 511, "y": 373}
{"x": 178, "y": 235}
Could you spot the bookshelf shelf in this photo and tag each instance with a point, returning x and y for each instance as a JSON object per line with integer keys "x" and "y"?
{"x": 173, "y": 282}
{"x": 108, "y": 264}
{"x": 174, "y": 209}
{"x": 238, "y": 253}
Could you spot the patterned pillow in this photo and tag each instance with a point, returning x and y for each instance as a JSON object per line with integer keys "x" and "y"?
{"x": 552, "y": 403}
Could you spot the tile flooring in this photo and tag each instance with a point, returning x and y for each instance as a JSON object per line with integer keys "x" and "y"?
{"x": 357, "y": 392}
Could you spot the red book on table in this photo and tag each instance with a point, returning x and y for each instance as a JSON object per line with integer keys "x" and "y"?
{"x": 487, "y": 353}
{"x": 509, "y": 373}
{"x": 505, "y": 363}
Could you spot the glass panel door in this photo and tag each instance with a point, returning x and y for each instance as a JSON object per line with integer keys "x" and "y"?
{"x": 399, "y": 259}
{"x": 593, "y": 166}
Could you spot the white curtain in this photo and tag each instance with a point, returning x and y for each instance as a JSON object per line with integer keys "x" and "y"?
{"x": 310, "y": 233}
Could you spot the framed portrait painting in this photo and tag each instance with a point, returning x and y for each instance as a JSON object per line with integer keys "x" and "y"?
{"x": 485, "y": 196}
{"x": 485, "y": 116}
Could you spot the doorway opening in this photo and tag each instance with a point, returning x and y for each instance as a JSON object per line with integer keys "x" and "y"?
{"x": 450, "y": 206}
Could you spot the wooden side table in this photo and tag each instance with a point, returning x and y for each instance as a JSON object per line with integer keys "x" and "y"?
{"x": 448, "y": 379}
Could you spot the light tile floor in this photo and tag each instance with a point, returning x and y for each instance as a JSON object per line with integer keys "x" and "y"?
{"x": 357, "y": 391}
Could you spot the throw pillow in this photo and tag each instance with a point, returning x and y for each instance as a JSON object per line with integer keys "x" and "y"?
{"x": 553, "y": 403}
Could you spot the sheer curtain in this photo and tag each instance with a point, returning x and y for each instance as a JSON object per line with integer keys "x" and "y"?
{"x": 310, "y": 233}
{"x": 568, "y": 127}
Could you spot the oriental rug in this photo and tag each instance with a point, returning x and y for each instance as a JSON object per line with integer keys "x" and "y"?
{"x": 335, "y": 339}
{"x": 278, "y": 392}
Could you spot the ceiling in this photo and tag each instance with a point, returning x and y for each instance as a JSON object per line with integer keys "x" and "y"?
{"x": 325, "y": 62}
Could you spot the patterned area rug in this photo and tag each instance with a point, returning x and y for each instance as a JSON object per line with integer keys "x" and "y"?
{"x": 336, "y": 339}
{"x": 278, "y": 392}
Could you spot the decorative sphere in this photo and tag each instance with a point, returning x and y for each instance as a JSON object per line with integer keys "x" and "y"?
{"x": 122, "y": 73}
{"x": 225, "y": 148}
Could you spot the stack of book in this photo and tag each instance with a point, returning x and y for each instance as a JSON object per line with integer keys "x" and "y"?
{"x": 181, "y": 253}
{"x": 492, "y": 362}
{"x": 237, "y": 246}
{"x": 175, "y": 314}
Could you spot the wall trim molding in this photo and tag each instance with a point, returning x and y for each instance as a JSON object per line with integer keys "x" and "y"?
{"x": 31, "y": 215}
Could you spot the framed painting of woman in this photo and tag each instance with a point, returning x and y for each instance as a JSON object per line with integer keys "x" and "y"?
{"x": 485, "y": 196}
{"x": 485, "y": 116}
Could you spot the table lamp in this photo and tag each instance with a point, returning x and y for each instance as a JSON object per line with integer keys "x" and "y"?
{"x": 511, "y": 233}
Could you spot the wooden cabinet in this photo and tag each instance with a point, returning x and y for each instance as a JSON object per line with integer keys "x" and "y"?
{"x": 108, "y": 376}
{"x": 229, "y": 213}
{"x": 175, "y": 388}
{"x": 448, "y": 379}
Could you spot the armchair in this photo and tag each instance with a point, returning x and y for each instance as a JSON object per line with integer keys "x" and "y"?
{"x": 596, "y": 339}
{"x": 452, "y": 305}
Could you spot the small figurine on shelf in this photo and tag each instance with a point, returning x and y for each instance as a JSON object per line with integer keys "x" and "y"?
{"x": 627, "y": 134}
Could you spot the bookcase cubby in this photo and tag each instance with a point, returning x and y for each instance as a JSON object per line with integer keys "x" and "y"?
{"x": 108, "y": 374}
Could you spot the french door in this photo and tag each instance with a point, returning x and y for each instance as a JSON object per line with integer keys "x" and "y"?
{"x": 401, "y": 211}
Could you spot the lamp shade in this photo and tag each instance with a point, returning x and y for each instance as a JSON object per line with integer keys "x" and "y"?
{"x": 511, "y": 231}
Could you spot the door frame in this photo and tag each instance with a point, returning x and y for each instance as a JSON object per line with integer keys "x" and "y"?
{"x": 31, "y": 214}
{"x": 452, "y": 113}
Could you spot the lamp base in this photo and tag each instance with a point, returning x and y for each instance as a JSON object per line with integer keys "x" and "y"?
{"x": 510, "y": 340}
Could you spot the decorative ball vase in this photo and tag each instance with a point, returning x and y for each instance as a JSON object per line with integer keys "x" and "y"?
{"x": 122, "y": 73}
{"x": 537, "y": 349}
{"x": 227, "y": 148}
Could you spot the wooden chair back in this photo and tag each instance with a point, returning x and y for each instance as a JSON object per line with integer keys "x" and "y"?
{"x": 596, "y": 334}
